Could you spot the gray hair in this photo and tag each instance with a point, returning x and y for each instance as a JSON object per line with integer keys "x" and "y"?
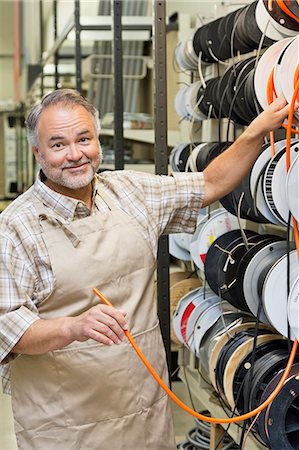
{"x": 65, "y": 97}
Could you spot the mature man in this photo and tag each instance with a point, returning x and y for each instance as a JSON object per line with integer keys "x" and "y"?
{"x": 75, "y": 382}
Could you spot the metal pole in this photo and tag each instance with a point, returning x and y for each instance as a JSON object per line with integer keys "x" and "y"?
{"x": 78, "y": 46}
{"x": 41, "y": 38}
{"x": 117, "y": 54}
{"x": 161, "y": 164}
{"x": 56, "y": 76}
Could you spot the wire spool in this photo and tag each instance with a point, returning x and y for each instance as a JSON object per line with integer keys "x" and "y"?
{"x": 203, "y": 154}
{"x": 221, "y": 262}
{"x": 292, "y": 188}
{"x": 204, "y": 315}
{"x": 219, "y": 341}
{"x": 180, "y": 284}
{"x": 208, "y": 229}
{"x": 269, "y": 21}
{"x": 285, "y": 69}
{"x": 274, "y": 184}
{"x": 275, "y": 292}
{"x": 179, "y": 246}
{"x": 185, "y": 55}
{"x": 256, "y": 181}
{"x": 236, "y": 359}
{"x": 227, "y": 319}
{"x": 186, "y": 103}
{"x": 226, "y": 353}
{"x": 264, "y": 68}
{"x": 256, "y": 272}
{"x": 245, "y": 374}
{"x": 179, "y": 156}
{"x": 207, "y": 99}
{"x": 244, "y": 261}
{"x": 184, "y": 309}
{"x": 278, "y": 423}
{"x": 293, "y": 309}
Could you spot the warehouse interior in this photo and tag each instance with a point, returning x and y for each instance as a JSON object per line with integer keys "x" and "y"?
{"x": 176, "y": 83}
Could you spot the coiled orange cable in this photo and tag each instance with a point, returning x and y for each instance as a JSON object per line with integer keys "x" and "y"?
{"x": 185, "y": 407}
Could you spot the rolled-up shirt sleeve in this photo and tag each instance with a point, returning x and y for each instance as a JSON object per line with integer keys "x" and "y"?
{"x": 17, "y": 309}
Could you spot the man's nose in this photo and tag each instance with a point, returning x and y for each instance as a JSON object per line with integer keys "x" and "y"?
{"x": 74, "y": 153}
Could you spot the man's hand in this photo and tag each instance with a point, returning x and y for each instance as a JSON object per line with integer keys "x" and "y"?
{"x": 272, "y": 118}
{"x": 101, "y": 323}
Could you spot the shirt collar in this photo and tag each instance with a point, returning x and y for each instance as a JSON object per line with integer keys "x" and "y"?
{"x": 66, "y": 207}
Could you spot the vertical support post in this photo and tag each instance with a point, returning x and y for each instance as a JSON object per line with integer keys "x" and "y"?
{"x": 41, "y": 38}
{"x": 117, "y": 64}
{"x": 78, "y": 55}
{"x": 56, "y": 76}
{"x": 161, "y": 163}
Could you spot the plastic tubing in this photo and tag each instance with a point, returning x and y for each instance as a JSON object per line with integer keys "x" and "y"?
{"x": 185, "y": 407}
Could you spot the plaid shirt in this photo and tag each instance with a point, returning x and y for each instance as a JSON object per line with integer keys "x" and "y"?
{"x": 158, "y": 204}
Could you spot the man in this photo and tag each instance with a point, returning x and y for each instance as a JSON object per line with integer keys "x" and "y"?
{"x": 75, "y": 381}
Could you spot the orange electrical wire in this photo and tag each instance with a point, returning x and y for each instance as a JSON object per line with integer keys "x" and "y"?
{"x": 270, "y": 97}
{"x": 270, "y": 91}
{"x": 185, "y": 407}
{"x": 286, "y": 10}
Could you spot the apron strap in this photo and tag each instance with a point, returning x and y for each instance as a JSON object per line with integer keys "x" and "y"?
{"x": 69, "y": 234}
{"x": 107, "y": 199}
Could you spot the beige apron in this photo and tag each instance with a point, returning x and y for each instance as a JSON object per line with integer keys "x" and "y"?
{"x": 88, "y": 396}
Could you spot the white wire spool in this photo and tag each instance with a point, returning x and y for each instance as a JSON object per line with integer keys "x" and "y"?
{"x": 292, "y": 188}
{"x": 179, "y": 246}
{"x": 293, "y": 308}
{"x": 286, "y": 69}
{"x": 205, "y": 302}
{"x": 278, "y": 184}
{"x": 208, "y": 229}
{"x": 275, "y": 292}
{"x": 180, "y": 104}
{"x": 184, "y": 310}
{"x": 256, "y": 186}
{"x": 267, "y": 24}
{"x": 185, "y": 55}
{"x": 267, "y": 256}
{"x": 264, "y": 68}
{"x": 207, "y": 319}
{"x": 191, "y": 163}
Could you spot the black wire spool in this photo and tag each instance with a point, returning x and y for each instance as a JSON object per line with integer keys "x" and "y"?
{"x": 221, "y": 263}
{"x": 208, "y": 152}
{"x": 227, "y": 351}
{"x": 251, "y": 29}
{"x": 242, "y": 42}
{"x": 200, "y": 44}
{"x": 243, "y": 264}
{"x": 207, "y": 98}
{"x": 281, "y": 17}
{"x": 250, "y": 96}
{"x": 278, "y": 423}
{"x": 237, "y": 251}
{"x": 184, "y": 155}
{"x": 242, "y": 376}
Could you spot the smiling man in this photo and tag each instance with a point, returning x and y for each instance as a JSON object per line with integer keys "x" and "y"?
{"x": 76, "y": 383}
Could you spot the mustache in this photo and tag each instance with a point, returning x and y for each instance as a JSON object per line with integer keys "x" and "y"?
{"x": 77, "y": 164}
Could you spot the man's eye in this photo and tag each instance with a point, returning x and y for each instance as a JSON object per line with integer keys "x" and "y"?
{"x": 85, "y": 139}
{"x": 57, "y": 145}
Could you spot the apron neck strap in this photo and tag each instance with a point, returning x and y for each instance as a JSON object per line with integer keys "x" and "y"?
{"x": 107, "y": 199}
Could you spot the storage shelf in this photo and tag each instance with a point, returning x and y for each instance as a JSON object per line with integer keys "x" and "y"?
{"x": 147, "y": 136}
